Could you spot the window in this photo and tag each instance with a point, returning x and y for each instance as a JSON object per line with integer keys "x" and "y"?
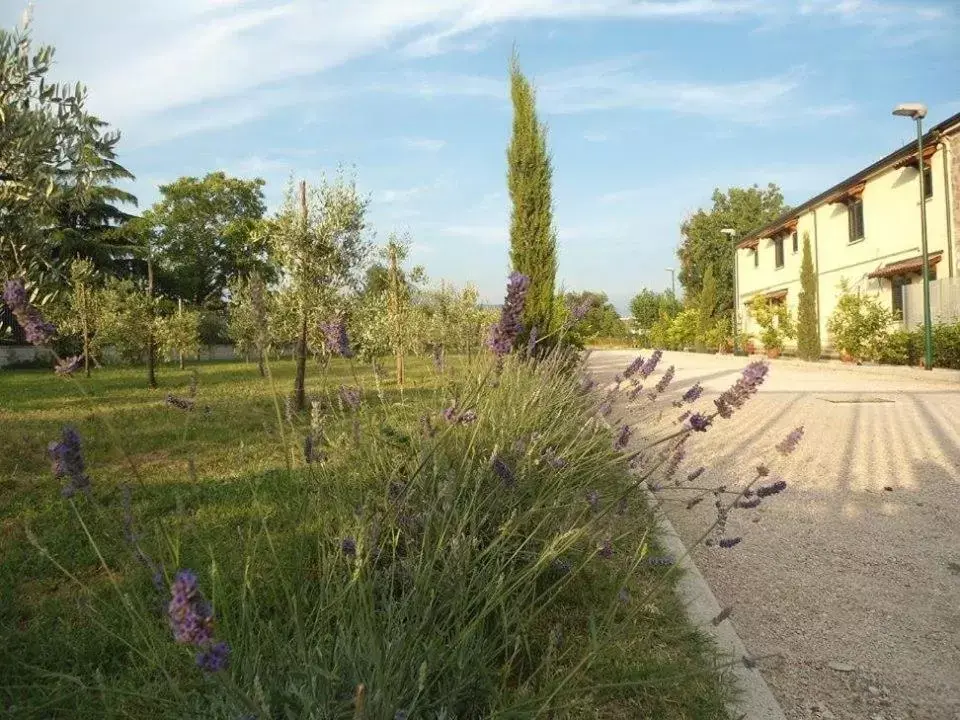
{"x": 778, "y": 247}
{"x": 897, "y": 284}
{"x": 794, "y": 240}
{"x": 927, "y": 182}
{"x": 855, "y": 219}
{"x": 756, "y": 256}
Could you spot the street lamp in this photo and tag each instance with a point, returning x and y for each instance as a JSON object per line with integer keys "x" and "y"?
{"x": 673, "y": 284}
{"x": 918, "y": 111}
{"x": 731, "y": 234}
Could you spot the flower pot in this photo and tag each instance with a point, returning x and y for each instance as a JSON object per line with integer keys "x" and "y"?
{"x": 846, "y": 357}
{"x": 773, "y": 353}
{"x": 751, "y": 348}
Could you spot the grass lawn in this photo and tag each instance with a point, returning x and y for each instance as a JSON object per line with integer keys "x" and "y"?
{"x": 404, "y": 575}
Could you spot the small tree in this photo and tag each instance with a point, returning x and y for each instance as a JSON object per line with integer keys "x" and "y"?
{"x": 774, "y": 320}
{"x": 83, "y": 315}
{"x": 179, "y": 333}
{"x": 808, "y": 326}
{"x": 398, "y": 298}
{"x": 123, "y": 320}
{"x": 858, "y": 323}
{"x": 320, "y": 242}
{"x": 248, "y": 318}
{"x": 706, "y": 305}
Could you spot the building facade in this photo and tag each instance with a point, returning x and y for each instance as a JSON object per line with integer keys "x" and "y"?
{"x": 864, "y": 230}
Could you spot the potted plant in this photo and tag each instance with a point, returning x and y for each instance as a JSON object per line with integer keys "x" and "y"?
{"x": 775, "y": 323}
{"x": 858, "y": 325}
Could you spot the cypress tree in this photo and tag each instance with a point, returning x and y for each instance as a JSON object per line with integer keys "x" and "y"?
{"x": 808, "y": 330}
{"x": 533, "y": 242}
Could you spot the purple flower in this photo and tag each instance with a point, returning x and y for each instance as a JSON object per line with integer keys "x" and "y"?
{"x": 634, "y": 367}
{"x": 617, "y": 379}
{"x": 335, "y": 337}
{"x": 503, "y": 471}
{"x": 746, "y": 385}
{"x": 562, "y": 566}
{"x": 606, "y": 407}
{"x": 350, "y": 397}
{"x": 695, "y": 474}
{"x": 214, "y": 659}
{"x": 762, "y": 470}
{"x": 692, "y": 394}
{"x": 659, "y": 560}
{"x": 191, "y": 617}
{"x": 580, "y": 311}
{"x": 586, "y": 385}
{"x": 699, "y": 422}
{"x": 623, "y": 596}
{"x": 651, "y": 364}
{"x": 68, "y": 366}
{"x": 36, "y": 330}
{"x": 683, "y": 416}
{"x": 550, "y": 457}
{"x": 727, "y": 543}
{"x": 747, "y": 504}
{"x": 66, "y": 457}
{"x": 790, "y": 442}
{"x": 504, "y": 333}
{"x": 772, "y": 489}
{"x": 180, "y": 403}
{"x": 606, "y": 549}
{"x": 532, "y": 340}
{"x": 467, "y": 417}
{"x": 665, "y": 380}
{"x": 635, "y": 392}
{"x": 622, "y": 506}
{"x": 593, "y": 500}
{"x": 349, "y": 547}
{"x": 450, "y": 413}
{"x": 623, "y": 437}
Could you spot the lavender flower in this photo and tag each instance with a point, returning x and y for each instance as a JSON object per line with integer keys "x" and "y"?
{"x": 593, "y": 500}
{"x": 503, "y": 472}
{"x": 349, "y": 396}
{"x": 617, "y": 379}
{"x": 651, "y": 364}
{"x": 623, "y": 596}
{"x": 550, "y": 457}
{"x": 752, "y": 377}
{"x": 790, "y": 442}
{"x": 660, "y": 560}
{"x": 180, "y": 403}
{"x": 665, "y": 380}
{"x": 36, "y": 330}
{"x": 622, "y": 506}
{"x": 562, "y": 566}
{"x": 532, "y": 341}
{"x": 67, "y": 460}
{"x": 699, "y": 422}
{"x": 606, "y": 549}
{"x": 580, "y": 311}
{"x": 400, "y": 715}
{"x": 772, "y": 489}
{"x": 504, "y": 333}
{"x": 635, "y": 392}
{"x": 467, "y": 417}
{"x": 683, "y": 416}
{"x": 586, "y": 385}
{"x": 335, "y": 336}
{"x": 214, "y": 659}
{"x": 606, "y": 407}
{"x": 68, "y": 366}
{"x": 747, "y": 504}
{"x": 191, "y": 617}
{"x": 691, "y": 395}
{"x": 623, "y": 437}
{"x": 727, "y": 543}
{"x": 349, "y": 547}
{"x": 634, "y": 367}
{"x": 695, "y": 474}
{"x": 450, "y": 414}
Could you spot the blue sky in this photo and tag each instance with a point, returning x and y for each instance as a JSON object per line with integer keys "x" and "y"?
{"x": 650, "y": 105}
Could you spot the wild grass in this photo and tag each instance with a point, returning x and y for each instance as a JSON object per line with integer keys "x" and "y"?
{"x": 426, "y": 567}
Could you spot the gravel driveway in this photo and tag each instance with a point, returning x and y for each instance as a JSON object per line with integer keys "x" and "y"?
{"x": 852, "y": 574}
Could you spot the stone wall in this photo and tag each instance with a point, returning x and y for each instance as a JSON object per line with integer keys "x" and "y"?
{"x": 12, "y": 354}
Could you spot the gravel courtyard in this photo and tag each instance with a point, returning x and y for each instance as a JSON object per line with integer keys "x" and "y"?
{"x": 853, "y": 574}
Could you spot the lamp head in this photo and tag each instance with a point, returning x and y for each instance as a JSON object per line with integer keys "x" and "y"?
{"x": 911, "y": 110}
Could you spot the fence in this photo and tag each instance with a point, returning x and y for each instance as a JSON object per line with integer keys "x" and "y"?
{"x": 944, "y": 302}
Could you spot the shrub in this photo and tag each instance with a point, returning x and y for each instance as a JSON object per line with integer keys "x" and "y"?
{"x": 179, "y": 334}
{"x": 718, "y": 337}
{"x": 858, "y": 324}
{"x": 684, "y": 329}
{"x": 774, "y": 321}
{"x": 897, "y": 348}
{"x": 946, "y": 345}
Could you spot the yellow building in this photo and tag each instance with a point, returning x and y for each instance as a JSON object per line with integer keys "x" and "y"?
{"x": 865, "y": 230}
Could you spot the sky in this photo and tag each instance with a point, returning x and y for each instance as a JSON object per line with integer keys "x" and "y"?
{"x": 649, "y": 104}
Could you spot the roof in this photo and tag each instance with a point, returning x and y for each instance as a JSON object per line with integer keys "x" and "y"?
{"x": 902, "y": 267}
{"x": 838, "y": 190}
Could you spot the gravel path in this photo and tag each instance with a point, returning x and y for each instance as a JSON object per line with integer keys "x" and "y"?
{"x": 853, "y": 574}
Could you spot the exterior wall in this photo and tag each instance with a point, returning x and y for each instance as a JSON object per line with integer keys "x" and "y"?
{"x": 891, "y": 218}
{"x": 953, "y": 178}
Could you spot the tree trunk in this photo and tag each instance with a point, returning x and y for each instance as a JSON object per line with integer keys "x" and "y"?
{"x": 298, "y": 383}
{"x": 86, "y": 334}
{"x": 151, "y": 350}
{"x": 396, "y": 309}
{"x": 263, "y": 372}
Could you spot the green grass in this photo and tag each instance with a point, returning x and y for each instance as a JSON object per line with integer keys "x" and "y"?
{"x": 452, "y": 607}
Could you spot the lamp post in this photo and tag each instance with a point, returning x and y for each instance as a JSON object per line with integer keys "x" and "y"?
{"x": 673, "y": 284}
{"x": 731, "y": 234}
{"x": 918, "y": 111}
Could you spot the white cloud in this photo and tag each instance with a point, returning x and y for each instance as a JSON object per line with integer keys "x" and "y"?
{"x": 428, "y": 144}
{"x": 403, "y": 195}
{"x": 483, "y": 234}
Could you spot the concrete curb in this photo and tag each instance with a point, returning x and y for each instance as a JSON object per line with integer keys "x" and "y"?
{"x": 755, "y": 701}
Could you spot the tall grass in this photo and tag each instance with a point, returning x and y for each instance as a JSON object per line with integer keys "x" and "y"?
{"x": 476, "y": 549}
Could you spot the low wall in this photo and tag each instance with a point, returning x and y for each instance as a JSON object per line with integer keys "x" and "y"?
{"x": 13, "y": 354}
